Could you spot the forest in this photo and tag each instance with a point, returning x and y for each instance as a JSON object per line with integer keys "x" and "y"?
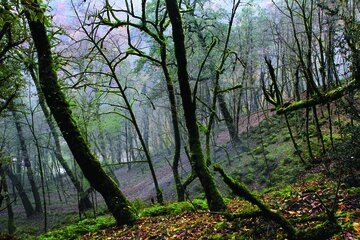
{"x": 180, "y": 119}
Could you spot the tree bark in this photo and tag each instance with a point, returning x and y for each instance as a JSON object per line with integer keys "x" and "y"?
{"x": 241, "y": 190}
{"x": 215, "y": 201}
{"x": 4, "y": 189}
{"x": 228, "y": 119}
{"x": 117, "y": 203}
{"x": 180, "y": 189}
{"x": 26, "y": 158}
{"x": 84, "y": 203}
{"x": 29, "y": 210}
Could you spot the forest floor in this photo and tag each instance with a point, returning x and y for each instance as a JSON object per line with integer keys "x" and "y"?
{"x": 265, "y": 157}
{"x": 136, "y": 183}
{"x": 304, "y": 204}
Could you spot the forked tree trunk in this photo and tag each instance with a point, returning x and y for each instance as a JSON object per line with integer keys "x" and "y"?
{"x": 215, "y": 201}
{"x": 117, "y": 203}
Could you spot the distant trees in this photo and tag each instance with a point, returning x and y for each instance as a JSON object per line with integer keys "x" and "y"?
{"x": 117, "y": 203}
{"x": 115, "y": 85}
{"x": 308, "y": 62}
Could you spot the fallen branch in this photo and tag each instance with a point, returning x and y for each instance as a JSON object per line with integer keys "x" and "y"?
{"x": 241, "y": 190}
{"x": 316, "y": 100}
{"x": 320, "y": 232}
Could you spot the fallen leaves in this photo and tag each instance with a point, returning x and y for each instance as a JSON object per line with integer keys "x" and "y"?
{"x": 305, "y": 202}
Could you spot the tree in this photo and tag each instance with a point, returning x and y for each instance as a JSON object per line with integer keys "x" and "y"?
{"x": 160, "y": 48}
{"x": 26, "y": 158}
{"x": 11, "y": 36}
{"x": 84, "y": 202}
{"x": 4, "y": 193}
{"x": 117, "y": 203}
{"x": 215, "y": 201}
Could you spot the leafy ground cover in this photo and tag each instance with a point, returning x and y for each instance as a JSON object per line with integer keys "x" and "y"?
{"x": 305, "y": 204}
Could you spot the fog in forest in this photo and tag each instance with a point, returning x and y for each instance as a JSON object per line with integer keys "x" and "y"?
{"x": 191, "y": 119}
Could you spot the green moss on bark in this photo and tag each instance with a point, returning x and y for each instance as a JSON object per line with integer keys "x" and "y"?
{"x": 117, "y": 203}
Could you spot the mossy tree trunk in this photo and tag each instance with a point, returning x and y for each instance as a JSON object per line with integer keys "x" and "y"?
{"x": 180, "y": 189}
{"x": 241, "y": 190}
{"x": 319, "y": 232}
{"x": 84, "y": 202}
{"x": 117, "y": 203}
{"x": 215, "y": 201}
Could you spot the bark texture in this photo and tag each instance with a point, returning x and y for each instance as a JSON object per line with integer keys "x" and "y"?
{"x": 29, "y": 210}
{"x": 215, "y": 201}
{"x": 26, "y": 158}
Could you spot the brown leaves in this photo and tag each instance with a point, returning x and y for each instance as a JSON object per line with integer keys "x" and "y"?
{"x": 183, "y": 226}
{"x": 304, "y": 204}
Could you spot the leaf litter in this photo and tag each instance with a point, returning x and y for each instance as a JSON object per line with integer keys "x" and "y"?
{"x": 305, "y": 200}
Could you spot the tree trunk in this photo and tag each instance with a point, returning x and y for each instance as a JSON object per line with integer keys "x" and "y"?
{"x": 4, "y": 189}
{"x": 215, "y": 201}
{"x": 117, "y": 203}
{"x": 228, "y": 119}
{"x": 26, "y": 158}
{"x": 297, "y": 150}
{"x": 85, "y": 202}
{"x": 29, "y": 210}
{"x": 180, "y": 190}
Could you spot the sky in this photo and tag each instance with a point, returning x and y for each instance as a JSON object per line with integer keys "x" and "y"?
{"x": 64, "y": 15}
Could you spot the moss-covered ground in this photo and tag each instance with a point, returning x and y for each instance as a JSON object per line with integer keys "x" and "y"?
{"x": 304, "y": 204}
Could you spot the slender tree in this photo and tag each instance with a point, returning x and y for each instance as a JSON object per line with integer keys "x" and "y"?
{"x": 215, "y": 201}
{"x": 26, "y": 158}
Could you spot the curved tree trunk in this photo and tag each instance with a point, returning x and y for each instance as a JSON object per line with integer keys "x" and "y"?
{"x": 117, "y": 203}
{"x": 215, "y": 201}
{"x": 84, "y": 203}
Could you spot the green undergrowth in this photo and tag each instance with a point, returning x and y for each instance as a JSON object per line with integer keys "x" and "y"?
{"x": 267, "y": 156}
{"x": 74, "y": 231}
{"x": 174, "y": 208}
{"x": 297, "y": 202}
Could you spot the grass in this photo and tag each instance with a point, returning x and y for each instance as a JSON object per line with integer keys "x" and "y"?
{"x": 179, "y": 220}
{"x": 172, "y": 208}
